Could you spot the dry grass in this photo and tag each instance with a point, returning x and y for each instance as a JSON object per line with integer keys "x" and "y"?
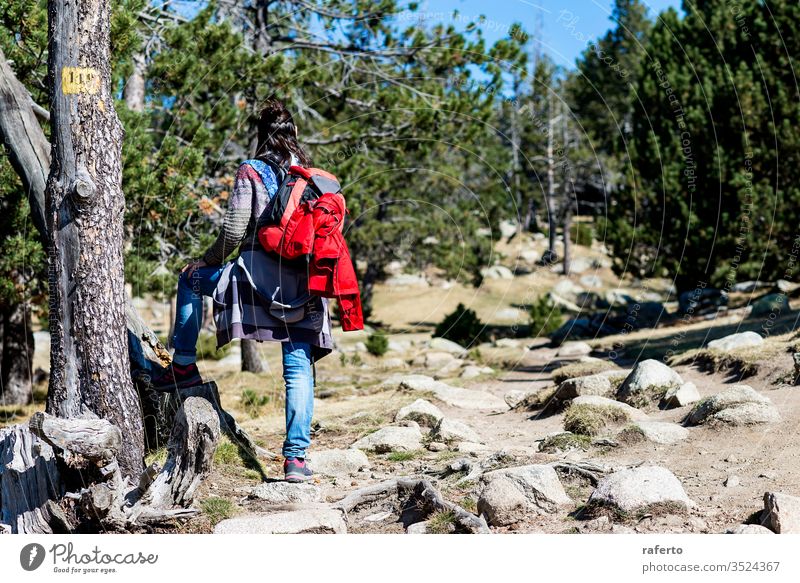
{"x": 582, "y": 369}
{"x": 591, "y": 420}
{"x": 741, "y": 363}
{"x": 563, "y": 442}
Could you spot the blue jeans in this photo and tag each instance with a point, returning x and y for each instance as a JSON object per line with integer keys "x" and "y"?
{"x": 297, "y": 370}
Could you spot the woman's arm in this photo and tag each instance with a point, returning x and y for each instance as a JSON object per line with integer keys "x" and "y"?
{"x": 237, "y": 217}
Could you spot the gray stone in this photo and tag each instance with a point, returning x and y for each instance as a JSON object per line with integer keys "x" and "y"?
{"x": 445, "y": 345}
{"x": 737, "y": 405}
{"x": 575, "y": 348}
{"x": 591, "y": 281}
{"x": 770, "y": 304}
{"x": 662, "y": 432}
{"x": 633, "y": 413}
{"x": 749, "y": 529}
{"x": 515, "y": 396}
{"x": 472, "y": 371}
{"x": 392, "y": 363}
{"x": 434, "y": 360}
{"x": 418, "y": 528}
{"x": 637, "y": 488}
{"x": 337, "y": 462}
{"x": 732, "y": 481}
{"x": 735, "y": 341}
{"x": 497, "y": 272}
{"x": 649, "y": 376}
{"x": 423, "y": 412}
{"x": 437, "y": 446}
{"x": 388, "y": 439}
{"x": 589, "y": 385}
{"x": 563, "y": 303}
{"x": 470, "y": 447}
{"x": 450, "y": 430}
{"x": 454, "y": 396}
{"x": 286, "y": 493}
{"x": 686, "y": 394}
{"x": 507, "y": 343}
{"x": 317, "y": 520}
{"x": 509, "y": 494}
{"x": 567, "y": 289}
{"x": 782, "y": 512}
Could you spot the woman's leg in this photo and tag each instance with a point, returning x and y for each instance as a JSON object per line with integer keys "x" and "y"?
{"x": 299, "y": 380}
{"x": 189, "y": 311}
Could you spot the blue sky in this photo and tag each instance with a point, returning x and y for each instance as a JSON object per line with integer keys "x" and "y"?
{"x": 566, "y": 26}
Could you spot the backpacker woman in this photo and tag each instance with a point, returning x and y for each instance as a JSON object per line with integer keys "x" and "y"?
{"x": 258, "y": 295}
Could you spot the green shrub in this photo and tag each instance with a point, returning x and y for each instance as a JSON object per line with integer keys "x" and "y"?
{"x": 545, "y": 318}
{"x": 377, "y": 344}
{"x": 591, "y": 420}
{"x": 253, "y": 402}
{"x": 207, "y": 347}
{"x": 462, "y": 326}
{"x": 581, "y": 233}
{"x": 217, "y": 509}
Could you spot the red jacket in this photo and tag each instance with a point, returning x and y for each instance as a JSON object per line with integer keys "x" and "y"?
{"x": 315, "y": 228}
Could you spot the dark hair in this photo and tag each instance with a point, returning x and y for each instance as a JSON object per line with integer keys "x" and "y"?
{"x": 277, "y": 135}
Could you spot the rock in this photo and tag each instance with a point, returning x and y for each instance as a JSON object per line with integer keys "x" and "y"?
{"x": 595, "y": 384}
{"x": 418, "y": 528}
{"x": 575, "y": 348}
{"x": 436, "y": 446}
{"x": 317, "y": 520}
{"x": 747, "y": 286}
{"x": 591, "y": 281}
{"x": 406, "y": 280}
{"x": 388, "y": 439}
{"x": 648, "y": 377}
{"x": 454, "y": 396}
{"x": 392, "y": 363}
{"x": 497, "y": 272}
{"x": 515, "y": 396}
{"x": 749, "y": 529}
{"x": 509, "y": 494}
{"x": 445, "y": 345}
{"x": 449, "y": 430}
{"x": 633, "y": 413}
{"x": 423, "y": 412}
{"x": 681, "y": 396}
{"x": 732, "y": 481}
{"x": 734, "y": 341}
{"x": 645, "y": 314}
{"x": 563, "y": 303}
{"x": 471, "y": 372}
{"x": 399, "y": 345}
{"x": 286, "y": 493}
{"x": 567, "y": 289}
{"x": 338, "y": 462}
{"x": 737, "y": 405}
{"x": 701, "y": 300}
{"x": 661, "y": 432}
{"x": 509, "y": 315}
{"x": 770, "y": 304}
{"x": 508, "y": 228}
{"x": 785, "y": 286}
{"x": 470, "y": 447}
{"x": 507, "y": 343}
{"x": 781, "y": 512}
{"x": 435, "y": 360}
{"x": 580, "y": 265}
{"x": 637, "y": 488}
{"x": 451, "y": 369}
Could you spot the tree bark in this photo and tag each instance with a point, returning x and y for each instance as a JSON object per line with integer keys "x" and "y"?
{"x": 16, "y": 386}
{"x": 89, "y": 365}
{"x": 251, "y": 359}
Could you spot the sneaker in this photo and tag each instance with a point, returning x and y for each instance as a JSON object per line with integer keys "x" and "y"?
{"x": 295, "y": 470}
{"x": 176, "y": 376}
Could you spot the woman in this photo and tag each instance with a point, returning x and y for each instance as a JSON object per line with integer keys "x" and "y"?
{"x": 257, "y": 296}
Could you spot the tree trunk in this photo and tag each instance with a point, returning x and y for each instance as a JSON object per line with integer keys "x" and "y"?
{"x": 567, "y": 223}
{"x": 251, "y": 359}
{"x": 16, "y": 386}
{"x": 89, "y": 365}
{"x": 27, "y": 147}
{"x": 134, "y": 90}
{"x": 550, "y": 200}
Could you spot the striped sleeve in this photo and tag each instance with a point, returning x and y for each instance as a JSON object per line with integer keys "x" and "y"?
{"x": 237, "y": 217}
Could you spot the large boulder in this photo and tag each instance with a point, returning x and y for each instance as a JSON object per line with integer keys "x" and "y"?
{"x": 497, "y": 272}
{"x": 573, "y": 349}
{"x": 737, "y": 405}
{"x": 596, "y": 384}
{"x": 597, "y": 401}
{"x": 508, "y": 495}
{"x": 770, "y": 304}
{"x": 435, "y": 359}
{"x": 660, "y": 431}
{"x": 392, "y": 438}
{"x": 735, "y": 341}
{"x": 516, "y": 396}
{"x": 639, "y": 488}
{"x": 423, "y": 412}
{"x": 450, "y": 430}
{"x": 286, "y": 493}
{"x": 316, "y": 520}
{"x": 782, "y": 512}
{"x": 648, "y": 379}
{"x": 454, "y": 396}
{"x": 445, "y": 345}
{"x": 685, "y": 394}
{"x": 338, "y": 462}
